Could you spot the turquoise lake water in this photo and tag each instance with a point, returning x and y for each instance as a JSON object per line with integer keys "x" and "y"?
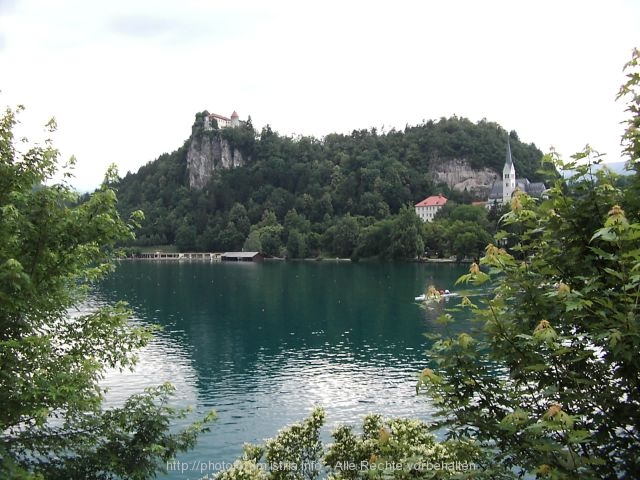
{"x": 262, "y": 344}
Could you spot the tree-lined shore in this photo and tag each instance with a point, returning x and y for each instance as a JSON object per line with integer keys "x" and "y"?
{"x": 342, "y": 196}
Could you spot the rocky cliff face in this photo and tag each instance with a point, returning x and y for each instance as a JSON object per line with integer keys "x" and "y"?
{"x": 459, "y": 175}
{"x": 208, "y": 153}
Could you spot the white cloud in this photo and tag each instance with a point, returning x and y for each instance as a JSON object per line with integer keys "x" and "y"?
{"x": 125, "y": 79}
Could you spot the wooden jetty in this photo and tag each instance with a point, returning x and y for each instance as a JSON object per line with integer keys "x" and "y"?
{"x": 201, "y": 256}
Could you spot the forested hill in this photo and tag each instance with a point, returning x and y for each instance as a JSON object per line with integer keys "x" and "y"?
{"x": 294, "y": 195}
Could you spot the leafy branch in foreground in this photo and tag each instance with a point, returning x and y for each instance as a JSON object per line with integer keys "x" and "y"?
{"x": 550, "y": 380}
{"x": 383, "y": 448}
{"x": 52, "y": 424}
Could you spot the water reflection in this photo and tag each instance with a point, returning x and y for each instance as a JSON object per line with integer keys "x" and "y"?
{"x": 158, "y": 363}
{"x": 263, "y": 344}
{"x": 163, "y": 360}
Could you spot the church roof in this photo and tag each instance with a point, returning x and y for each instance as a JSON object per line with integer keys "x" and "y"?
{"x": 234, "y": 114}
{"x": 533, "y": 189}
{"x": 496, "y": 190}
{"x": 536, "y": 189}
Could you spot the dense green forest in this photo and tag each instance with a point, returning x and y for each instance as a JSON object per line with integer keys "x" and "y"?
{"x": 343, "y": 195}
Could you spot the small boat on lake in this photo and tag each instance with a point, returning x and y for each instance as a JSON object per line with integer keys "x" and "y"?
{"x": 434, "y": 295}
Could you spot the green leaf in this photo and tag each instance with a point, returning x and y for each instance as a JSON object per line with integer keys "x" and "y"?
{"x": 606, "y": 233}
{"x": 601, "y": 253}
{"x": 578, "y": 436}
{"x": 536, "y": 368}
{"x": 614, "y": 273}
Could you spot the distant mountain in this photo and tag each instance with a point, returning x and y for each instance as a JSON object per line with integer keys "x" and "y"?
{"x": 615, "y": 167}
{"x": 618, "y": 167}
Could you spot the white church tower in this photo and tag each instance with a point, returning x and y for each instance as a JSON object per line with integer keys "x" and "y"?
{"x": 508, "y": 176}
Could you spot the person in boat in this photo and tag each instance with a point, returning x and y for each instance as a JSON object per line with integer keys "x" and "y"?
{"x": 432, "y": 292}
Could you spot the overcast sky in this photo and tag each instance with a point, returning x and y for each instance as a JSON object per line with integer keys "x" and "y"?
{"x": 125, "y": 78}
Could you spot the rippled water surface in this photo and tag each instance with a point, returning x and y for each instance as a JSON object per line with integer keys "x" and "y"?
{"x": 264, "y": 343}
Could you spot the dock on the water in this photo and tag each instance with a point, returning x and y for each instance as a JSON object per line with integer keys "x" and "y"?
{"x": 202, "y": 256}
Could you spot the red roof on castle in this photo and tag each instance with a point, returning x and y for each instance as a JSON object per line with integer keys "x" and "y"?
{"x": 234, "y": 114}
{"x": 432, "y": 201}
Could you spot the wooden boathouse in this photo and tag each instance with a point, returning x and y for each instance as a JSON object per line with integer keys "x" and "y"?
{"x": 242, "y": 257}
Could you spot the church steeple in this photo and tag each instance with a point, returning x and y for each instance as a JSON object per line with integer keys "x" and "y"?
{"x": 508, "y": 176}
{"x": 509, "y": 160}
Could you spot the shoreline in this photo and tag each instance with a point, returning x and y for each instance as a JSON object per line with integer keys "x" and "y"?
{"x": 217, "y": 257}
{"x": 165, "y": 258}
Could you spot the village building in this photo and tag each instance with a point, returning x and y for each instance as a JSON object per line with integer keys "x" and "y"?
{"x": 503, "y": 190}
{"x": 427, "y": 208}
{"x": 223, "y": 122}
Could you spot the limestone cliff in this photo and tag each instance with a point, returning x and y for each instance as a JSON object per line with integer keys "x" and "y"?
{"x": 207, "y": 153}
{"x": 459, "y": 175}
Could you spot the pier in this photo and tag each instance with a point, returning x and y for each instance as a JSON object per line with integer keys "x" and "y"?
{"x": 201, "y": 256}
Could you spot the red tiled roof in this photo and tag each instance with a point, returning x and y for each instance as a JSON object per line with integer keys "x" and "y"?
{"x": 432, "y": 201}
{"x": 234, "y": 114}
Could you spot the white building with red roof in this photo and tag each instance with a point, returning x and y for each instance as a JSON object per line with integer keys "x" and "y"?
{"x": 427, "y": 208}
{"x": 221, "y": 120}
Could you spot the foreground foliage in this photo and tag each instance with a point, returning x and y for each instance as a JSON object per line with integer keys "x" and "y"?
{"x": 550, "y": 381}
{"x": 384, "y": 448}
{"x": 52, "y": 424}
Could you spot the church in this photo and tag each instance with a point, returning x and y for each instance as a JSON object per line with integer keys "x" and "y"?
{"x": 502, "y": 190}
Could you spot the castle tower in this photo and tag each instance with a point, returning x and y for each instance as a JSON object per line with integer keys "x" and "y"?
{"x": 508, "y": 176}
{"x": 235, "y": 119}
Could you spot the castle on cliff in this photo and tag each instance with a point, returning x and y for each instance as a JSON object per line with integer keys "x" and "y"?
{"x": 222, "y": 121}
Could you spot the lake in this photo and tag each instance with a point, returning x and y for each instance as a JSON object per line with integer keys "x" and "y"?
{"x": 262, "y": 344}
